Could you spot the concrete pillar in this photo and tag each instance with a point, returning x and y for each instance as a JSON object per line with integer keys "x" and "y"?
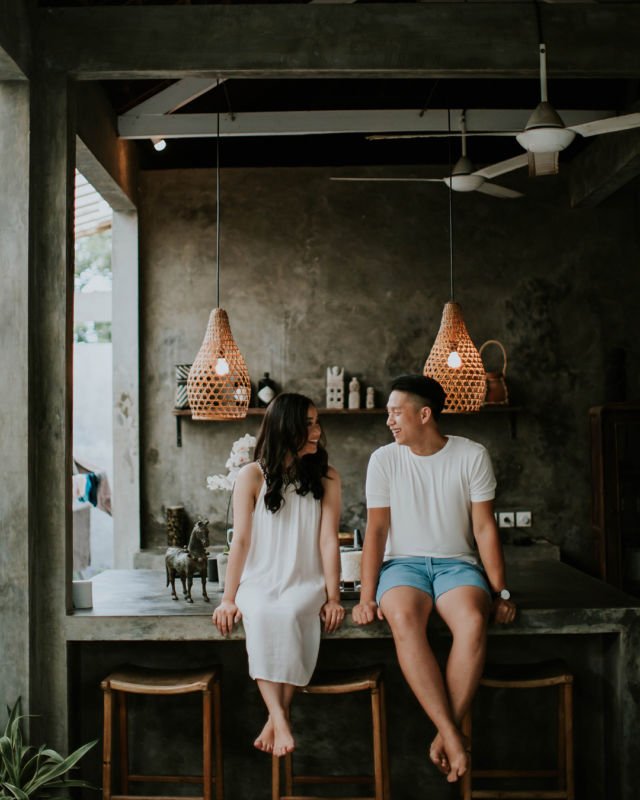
{"x": 126, "y": 391}
{"x": 50, "y": 398}
{"x": 14, "y": 421}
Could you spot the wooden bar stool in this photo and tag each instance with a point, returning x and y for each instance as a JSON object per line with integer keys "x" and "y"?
{"x": 343, "y": 682}
{"x": 136, "y": 680}
{"x": 530, "y": 676}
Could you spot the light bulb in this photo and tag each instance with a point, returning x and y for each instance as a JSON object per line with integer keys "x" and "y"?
{"x": 222, "y": 366}
{"x": 158, "y": 143}
{"x": 454, "y": 361}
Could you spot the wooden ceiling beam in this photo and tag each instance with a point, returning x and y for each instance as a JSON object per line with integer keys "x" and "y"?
{"x": 445, "y": 40}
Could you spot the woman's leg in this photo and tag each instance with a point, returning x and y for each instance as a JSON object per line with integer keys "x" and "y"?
{"x": 276, "y": 736}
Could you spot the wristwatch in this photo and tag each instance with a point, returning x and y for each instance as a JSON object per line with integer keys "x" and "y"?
{"x": 503, "y": 594}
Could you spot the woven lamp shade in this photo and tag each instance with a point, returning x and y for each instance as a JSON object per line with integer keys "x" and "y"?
{"x": 213, "y": 395}
{"x": 465, "y": 385}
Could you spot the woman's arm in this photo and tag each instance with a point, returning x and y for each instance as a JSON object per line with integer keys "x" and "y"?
{"x": 245, "y": 494}
{"x": 332, "y": 612}
{"x": 375, "y": 539}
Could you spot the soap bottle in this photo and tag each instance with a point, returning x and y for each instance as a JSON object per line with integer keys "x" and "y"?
{"x": 266, "y": 391}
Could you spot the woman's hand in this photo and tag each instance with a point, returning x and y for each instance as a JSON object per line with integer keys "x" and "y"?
{"x": 332, "y": 614}
{"x": 225, "y": 616}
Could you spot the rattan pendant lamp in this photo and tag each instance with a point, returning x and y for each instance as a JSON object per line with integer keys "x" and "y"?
{"x": 218, "y": 386}
{"x": 454, "y": 360}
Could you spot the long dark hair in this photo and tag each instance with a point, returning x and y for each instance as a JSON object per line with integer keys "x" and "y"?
{"x": 283, "y": 433}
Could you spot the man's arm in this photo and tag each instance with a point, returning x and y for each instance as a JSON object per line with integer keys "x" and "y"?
{"x": 486, "y": 535}
{"x": 375, "y": 539}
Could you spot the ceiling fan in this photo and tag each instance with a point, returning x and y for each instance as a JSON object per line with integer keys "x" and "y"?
{"x": 545, "y": 134}
{"x": 464, "y": 177}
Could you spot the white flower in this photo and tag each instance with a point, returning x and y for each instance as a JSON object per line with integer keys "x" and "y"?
{"x": 241, "y": 454}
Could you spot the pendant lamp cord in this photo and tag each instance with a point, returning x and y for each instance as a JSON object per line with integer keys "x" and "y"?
{"x": 218, "y": 209}
{"x": 451, "y": 288}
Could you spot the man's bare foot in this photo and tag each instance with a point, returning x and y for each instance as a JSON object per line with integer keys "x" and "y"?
{"x": 438, "y": 756}
{"x": 456, "y": 749}
{"x": 283, "y": 741}
{"x": 265, "y": 738}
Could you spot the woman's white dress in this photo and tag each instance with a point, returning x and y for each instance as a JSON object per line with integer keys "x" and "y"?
{"x": 282, "y": 590}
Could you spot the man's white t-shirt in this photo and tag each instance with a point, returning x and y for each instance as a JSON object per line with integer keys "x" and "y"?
{"x": 430, "y": 497}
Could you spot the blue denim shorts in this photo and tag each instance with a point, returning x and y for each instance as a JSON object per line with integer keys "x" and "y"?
{"x": 435, "y": 576}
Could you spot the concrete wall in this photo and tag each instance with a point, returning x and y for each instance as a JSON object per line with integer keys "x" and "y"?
{"x": 317, "y": 273}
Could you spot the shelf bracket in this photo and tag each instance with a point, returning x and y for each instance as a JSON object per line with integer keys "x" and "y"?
{"x": 178, "y": 431}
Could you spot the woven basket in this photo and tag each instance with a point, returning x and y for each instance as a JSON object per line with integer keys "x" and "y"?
{"x": 215, "y": 396}
{"x": 465, "y": 385}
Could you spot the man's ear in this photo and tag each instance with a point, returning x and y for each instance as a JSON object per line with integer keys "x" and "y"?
{"x": 425, "y": 414}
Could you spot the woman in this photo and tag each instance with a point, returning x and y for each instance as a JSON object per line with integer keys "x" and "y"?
{"x": 283, "y": 574}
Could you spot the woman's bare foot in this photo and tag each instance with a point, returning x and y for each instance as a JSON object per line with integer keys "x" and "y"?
{"x": 265, "y": 738}
{"x": 283, "y": 741}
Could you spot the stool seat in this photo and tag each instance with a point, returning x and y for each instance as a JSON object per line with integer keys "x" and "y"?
{"x": 364, "y": 679}
{"x": 144, "y": 681}
{"x": 343, "y": 681}
{"x": 552, "y": 673}
{"x": 141, "y": 680}
{"x": 526, "y": 676}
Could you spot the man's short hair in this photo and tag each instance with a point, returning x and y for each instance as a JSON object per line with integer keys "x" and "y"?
{"x": 426, "y": 389}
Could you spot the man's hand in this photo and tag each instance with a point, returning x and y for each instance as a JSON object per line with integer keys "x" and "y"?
{"x": 364, "y": 613}
{"x": 503, "y": 611}
{"x": 332, "y": 614}
{"x": 225, "y": 616}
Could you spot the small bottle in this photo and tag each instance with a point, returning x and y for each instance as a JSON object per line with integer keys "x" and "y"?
{"x": 371, "y": 397}
{"x": 357, "y": 539}
{"x": 266, "y": 391}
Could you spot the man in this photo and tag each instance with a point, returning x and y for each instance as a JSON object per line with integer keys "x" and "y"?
{"x": 430, "y": 503}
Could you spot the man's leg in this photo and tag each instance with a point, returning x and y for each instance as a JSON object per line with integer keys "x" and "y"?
{"x": 465, "y": 611}
{"x": 407, "y": 611}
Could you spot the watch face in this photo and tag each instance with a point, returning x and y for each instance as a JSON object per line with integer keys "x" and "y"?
{"x": 505, "y": 594}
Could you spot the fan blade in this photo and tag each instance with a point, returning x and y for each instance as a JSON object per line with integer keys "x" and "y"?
{"x": 376, "y": 137}
{"x": 388, "y": 180}
{"x": 498, "y": 191}
{"x": 493, "y": 170}
{"x": 609, "y": 125}
{"x": 542, "y": 164}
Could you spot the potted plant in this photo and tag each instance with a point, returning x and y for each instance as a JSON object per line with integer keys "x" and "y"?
{"x": 27, "y": 772}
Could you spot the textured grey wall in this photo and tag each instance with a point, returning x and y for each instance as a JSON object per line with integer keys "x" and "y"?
{"x": 317, "y": 273}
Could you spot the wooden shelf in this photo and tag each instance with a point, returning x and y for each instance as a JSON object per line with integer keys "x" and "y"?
{"x": 511, "y": 411}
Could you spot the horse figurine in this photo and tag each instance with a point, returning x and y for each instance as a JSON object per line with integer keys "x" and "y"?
{"x": 185, "y": 561}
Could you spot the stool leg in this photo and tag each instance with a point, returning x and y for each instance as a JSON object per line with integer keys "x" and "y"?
{"x": 107, "y": 736}
{"x": 568, "y": 737}
{"x": 377, "y": 744}
{"x": 275, "y": 778}
{"x": 206, "y": 745}
{"x": 288, "y": 774}
{"x": 465, "y": 783}
{"x": 124, "y": 742}
{"x": 217, "y": 732}
{"x": 385, "y": 748}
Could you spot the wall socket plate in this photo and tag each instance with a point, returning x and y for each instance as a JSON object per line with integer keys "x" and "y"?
{"x": 506, "y": 519}
{"x": 523, "y": 519}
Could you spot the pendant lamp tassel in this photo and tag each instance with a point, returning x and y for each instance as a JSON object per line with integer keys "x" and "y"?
{"x": 456, "y": 364}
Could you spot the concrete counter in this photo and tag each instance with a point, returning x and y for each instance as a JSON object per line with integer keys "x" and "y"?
{"x": 552, "y": 598}
{"x": 562, "y": 613}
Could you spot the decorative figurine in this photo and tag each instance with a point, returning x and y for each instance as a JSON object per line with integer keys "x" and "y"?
{"x": 184, "y": 562}
{"x": 335, "y": 387}
{"x": 354, "y": 393}
{"x": 371, "y": 397}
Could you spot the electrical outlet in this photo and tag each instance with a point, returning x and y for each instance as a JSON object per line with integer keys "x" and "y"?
{"x": 523, "y": 519}
{"x": 505, "y": 519}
